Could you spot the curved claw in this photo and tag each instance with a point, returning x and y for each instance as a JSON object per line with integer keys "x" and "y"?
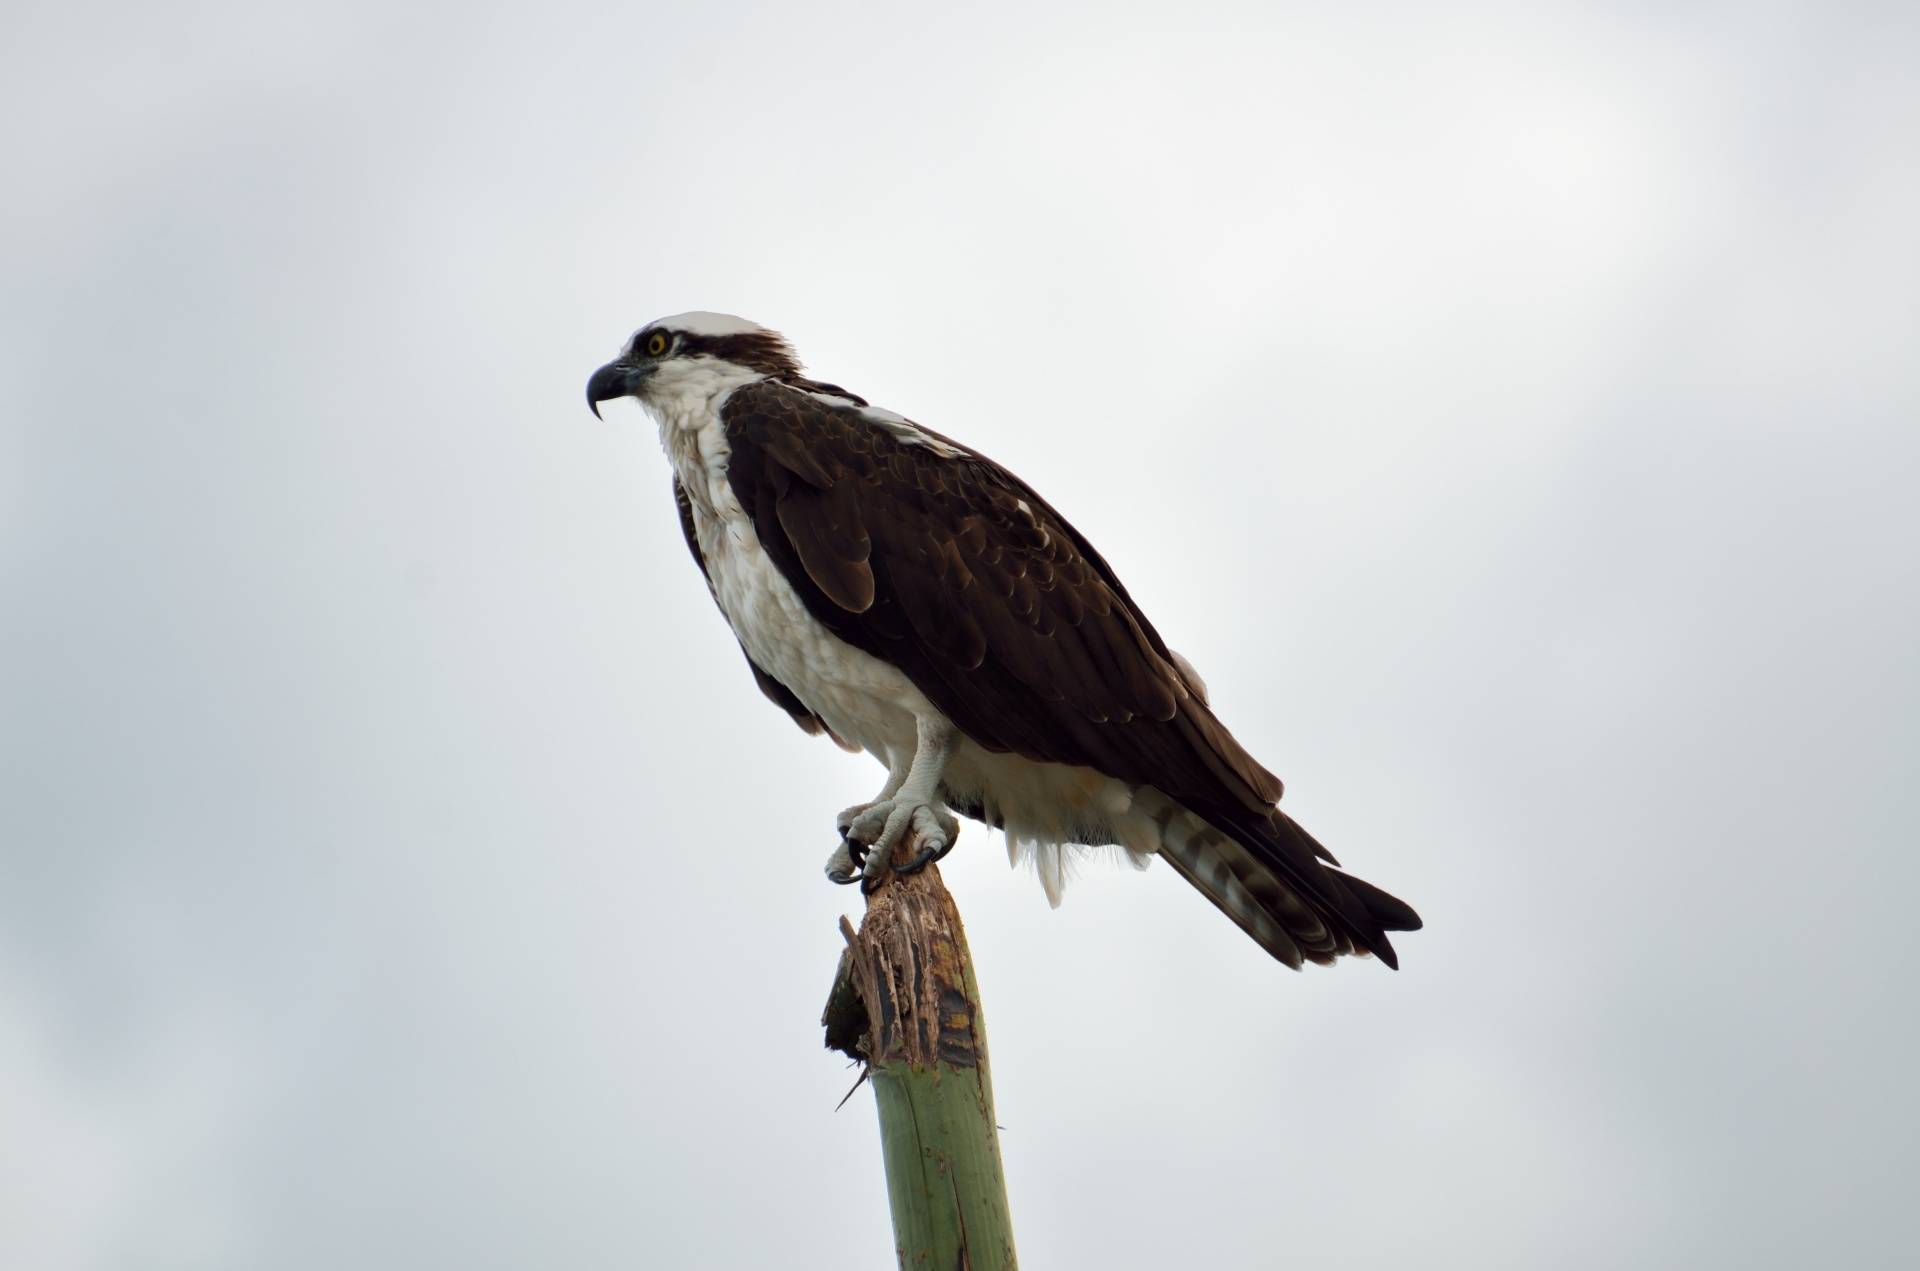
{"x": 846, "y": 862}
{"x": 912, "y": 865}
{"x": 870, "y": 835}
{"x": 922, "y": 858}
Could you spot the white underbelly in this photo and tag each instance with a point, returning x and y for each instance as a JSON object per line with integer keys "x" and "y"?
{"x": 865, "y": 700}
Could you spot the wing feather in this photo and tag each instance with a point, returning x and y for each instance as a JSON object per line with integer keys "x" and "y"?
{"x": 947, "y": 566}
{"x": 826, "y": 533}
{"x": 951, "y": 568}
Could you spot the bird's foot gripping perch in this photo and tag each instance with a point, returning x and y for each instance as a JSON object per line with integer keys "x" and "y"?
{"x": 927, "y": 830}
{"x": 848, "y": 859}
{"x": 907, "y": 814}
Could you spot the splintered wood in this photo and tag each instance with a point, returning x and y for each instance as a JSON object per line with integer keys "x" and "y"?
{"x": 902, "y": 992}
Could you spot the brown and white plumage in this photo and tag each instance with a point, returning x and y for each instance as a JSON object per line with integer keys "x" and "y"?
{"x": 885, "y": 581}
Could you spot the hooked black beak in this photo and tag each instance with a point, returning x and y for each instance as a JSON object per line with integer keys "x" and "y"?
{"x": 615, "y": 379}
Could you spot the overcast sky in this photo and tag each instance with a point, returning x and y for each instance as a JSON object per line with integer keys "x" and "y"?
{"x": 1514, "y": 414}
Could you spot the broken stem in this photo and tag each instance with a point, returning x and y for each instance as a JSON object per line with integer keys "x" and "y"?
{"x": 905, "y": 1003}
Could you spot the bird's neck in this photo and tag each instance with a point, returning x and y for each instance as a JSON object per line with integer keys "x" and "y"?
{"x": 687, "y": 408}
{"x": 686, "y": 396}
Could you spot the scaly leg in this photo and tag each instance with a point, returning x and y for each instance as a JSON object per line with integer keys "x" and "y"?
{"x": 913, "y": 809}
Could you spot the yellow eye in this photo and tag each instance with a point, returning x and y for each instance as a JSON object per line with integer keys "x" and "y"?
{"x": 656, "y": 344}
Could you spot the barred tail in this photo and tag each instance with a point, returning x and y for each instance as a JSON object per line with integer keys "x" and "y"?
{"x": 1268, "y": 878}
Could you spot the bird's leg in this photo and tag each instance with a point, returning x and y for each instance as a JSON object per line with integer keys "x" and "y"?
{"x": 845, "y": 863}
{"x": 913, "y": 809}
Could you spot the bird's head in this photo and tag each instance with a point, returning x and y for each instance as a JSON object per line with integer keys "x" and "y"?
{"x": 688, "y": 352}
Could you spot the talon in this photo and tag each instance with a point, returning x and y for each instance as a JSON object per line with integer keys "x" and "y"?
{"x": 874, "y": 867}
{"x": 921, "y": 859}
{"x": 871, "y": 833}
{"x": 842, "y": 866}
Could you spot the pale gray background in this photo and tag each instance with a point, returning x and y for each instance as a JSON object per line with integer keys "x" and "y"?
{"x": 1514, "y": 413}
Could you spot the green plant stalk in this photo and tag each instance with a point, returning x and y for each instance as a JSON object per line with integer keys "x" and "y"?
{"x": 907, "y": 1003}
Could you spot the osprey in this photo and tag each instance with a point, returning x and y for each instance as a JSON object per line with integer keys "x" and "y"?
{"x": 907, "y": 596}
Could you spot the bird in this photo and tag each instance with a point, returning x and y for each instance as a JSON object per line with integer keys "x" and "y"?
{"x": 904, "y": 595}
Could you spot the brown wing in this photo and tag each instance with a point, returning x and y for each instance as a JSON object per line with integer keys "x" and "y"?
{"x": 952, "y": 569}
{"x": 777, "y": 693}
{"x": 955, "y": 571}
{"x": 964, "y": 578}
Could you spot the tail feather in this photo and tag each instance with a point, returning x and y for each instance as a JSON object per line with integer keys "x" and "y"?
{"x": 1205, "y": 867}
{"x": 1269, "y": 879}
{"x": 1391, "y": 912}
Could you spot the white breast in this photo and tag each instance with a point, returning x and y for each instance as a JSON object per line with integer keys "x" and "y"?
{"x": 865, "y": 700}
